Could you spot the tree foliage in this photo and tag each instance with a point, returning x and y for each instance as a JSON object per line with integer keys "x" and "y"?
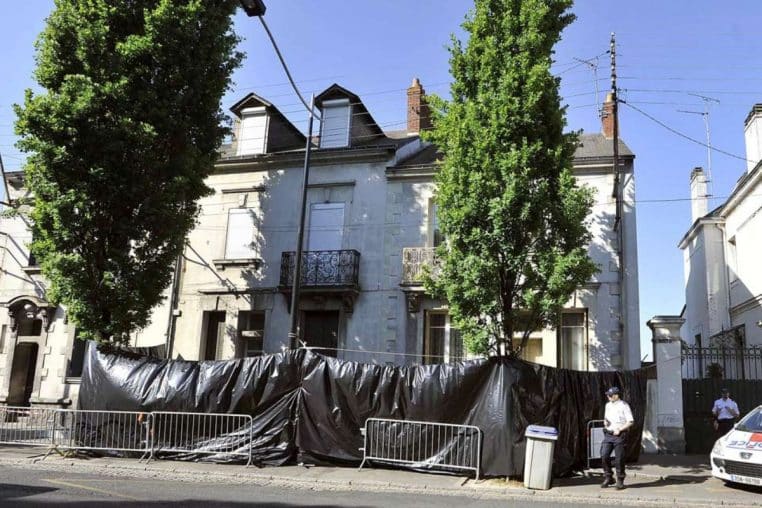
{"x": 120, "y": 139}
{"x": 511, "y": 212}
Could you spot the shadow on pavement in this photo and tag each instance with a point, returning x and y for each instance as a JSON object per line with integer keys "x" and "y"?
{"x": 632, "y": 483}
{"x": 15, "y": 491}
{"x": 157, "y": 504}
{"x": 688, "y": 464}
{"x": 740, "y": 487}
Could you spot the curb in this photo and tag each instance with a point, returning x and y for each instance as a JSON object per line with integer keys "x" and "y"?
{"x": 469, "y": 488}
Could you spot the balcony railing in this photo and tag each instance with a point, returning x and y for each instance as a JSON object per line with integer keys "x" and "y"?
{"x": 322, "y": 268}
{"x": 413, "y": 261}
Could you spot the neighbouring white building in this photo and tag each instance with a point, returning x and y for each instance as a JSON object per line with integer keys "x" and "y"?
{"x": 721, "y": 252}
{"x": 370, "y": 226}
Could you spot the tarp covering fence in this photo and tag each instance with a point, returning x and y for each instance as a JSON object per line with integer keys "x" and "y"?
{"x": 309, "y": 408}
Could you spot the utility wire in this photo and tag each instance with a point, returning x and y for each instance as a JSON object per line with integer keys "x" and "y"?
{"x": 285, "y": 68}
{"x": 682, "y": 135}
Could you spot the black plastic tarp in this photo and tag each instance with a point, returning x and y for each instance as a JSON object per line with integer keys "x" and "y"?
{"x": 311, "y": 408}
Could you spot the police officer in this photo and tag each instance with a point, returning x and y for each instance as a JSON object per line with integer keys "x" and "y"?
{"x": 617, "y": 421}
{"x": 725, "y": 411}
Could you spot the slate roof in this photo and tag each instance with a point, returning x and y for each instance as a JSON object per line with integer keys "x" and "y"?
{"x": 597, "y": 145}
{"x": 591, "y": 146}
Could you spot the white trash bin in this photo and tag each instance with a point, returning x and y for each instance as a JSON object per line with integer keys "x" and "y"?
{"x": 538, "y": 462}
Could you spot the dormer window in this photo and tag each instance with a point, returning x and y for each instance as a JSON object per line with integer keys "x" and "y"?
{"x": 334, "y": 127}
{"x": 252, "y": 135}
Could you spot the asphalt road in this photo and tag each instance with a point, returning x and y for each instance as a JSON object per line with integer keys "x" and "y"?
{"x": 27, "y": 488}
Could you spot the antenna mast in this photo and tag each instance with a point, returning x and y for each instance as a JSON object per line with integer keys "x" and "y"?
{"x": 705, "y": 115}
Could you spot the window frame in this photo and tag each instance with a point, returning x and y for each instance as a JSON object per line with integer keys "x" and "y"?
{"x": 244, "y": 340}
{"x": 252, "y": 254}
{"x": 585, "y": 341}
{"x": 250, "y": 114}
{"x": 447, "y": 355}
{"x": 332, "y": 205}
{"x": 335, "y": 140}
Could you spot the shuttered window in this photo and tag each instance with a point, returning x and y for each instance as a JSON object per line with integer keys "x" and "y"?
{"x": 240, "y": 234}
{"x": 252, "y": 136}
{"x": 326, "y": 226}
{"x": 334, "y": 126}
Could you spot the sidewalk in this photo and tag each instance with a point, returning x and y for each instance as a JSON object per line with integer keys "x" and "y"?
{"x": 655, "y": 481}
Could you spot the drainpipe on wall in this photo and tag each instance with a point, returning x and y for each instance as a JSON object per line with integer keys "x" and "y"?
{"x": 170, "y": 342}
{"x": 723, "y": 234}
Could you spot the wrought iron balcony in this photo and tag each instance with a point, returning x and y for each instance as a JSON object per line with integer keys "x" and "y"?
{"x": 322, "y": 269}
{"x": 413, "y": 261}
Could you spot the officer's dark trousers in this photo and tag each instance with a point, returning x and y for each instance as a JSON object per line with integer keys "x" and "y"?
{"x": 615, "y": 444}
{"x": 724, "y": 426}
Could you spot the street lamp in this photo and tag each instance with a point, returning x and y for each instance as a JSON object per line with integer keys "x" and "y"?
{"x": 257, "y": 8}
{"x": 253, "y": 7}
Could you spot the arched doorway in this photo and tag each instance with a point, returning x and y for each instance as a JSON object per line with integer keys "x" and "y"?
{"x": 22, "y": 373}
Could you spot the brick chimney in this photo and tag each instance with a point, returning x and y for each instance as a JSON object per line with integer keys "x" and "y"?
{"x": 607, "y": 117}
{"x": 417, "y": 110}
{"x": 752, "y": 130}
{"x": 699, "y": 194}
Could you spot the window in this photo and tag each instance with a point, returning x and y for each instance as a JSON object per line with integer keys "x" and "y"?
{"x": 733, "y": 259}
{"x": 240, "y": 236}
{"x": 32, "y": 260}
{"x": 2, "y": 338}
{"x": 435, "y": 235}
{"x": 442, "y": 343}
{"x": 326, "y": 226}
{"x": 251, "y": 333}
{"x": 572, "y": 338}
{"x": 334, "y": 127}
{"x": 532, "y": 351}
{"x": 77, "y": 359}
{"x": 252, "y": 135}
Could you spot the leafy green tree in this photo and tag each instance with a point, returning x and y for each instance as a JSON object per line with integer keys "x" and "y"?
{"x": 127, "y": 126}
{"x": 511, "y": 212}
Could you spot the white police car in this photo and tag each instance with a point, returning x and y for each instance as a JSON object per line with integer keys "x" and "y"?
{"x": 737, "y": 456}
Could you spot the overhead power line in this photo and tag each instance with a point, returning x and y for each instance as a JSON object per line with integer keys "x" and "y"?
{"x": 285, "y": 67}
{"x": 682, "y": 135}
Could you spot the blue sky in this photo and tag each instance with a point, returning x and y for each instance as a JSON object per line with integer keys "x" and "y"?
{"x": 666, "y": 52}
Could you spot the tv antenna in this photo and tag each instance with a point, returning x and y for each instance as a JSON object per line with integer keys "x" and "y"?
{"x": 592, "y": 64}
{"x": 708, "y": 101}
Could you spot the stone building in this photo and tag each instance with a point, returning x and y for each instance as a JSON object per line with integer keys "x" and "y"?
{"x": 370, "y": 227}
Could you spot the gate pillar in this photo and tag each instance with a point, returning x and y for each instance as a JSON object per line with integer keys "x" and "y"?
{"x": 669, "y": 402}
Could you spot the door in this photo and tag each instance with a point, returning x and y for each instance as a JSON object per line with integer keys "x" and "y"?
{"x": 215, "y": 331}
{"x": 321, "y": 330}
{"x": 22, "y": 374}
{"x": 326, "y": 226}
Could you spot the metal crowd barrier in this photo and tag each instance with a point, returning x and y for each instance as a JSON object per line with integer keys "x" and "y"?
{"x": 98, "y": 430}
{"x": 27, "y": 426}
{"x": 423, "y": 444}
{"x": 594, "y": 440}
{"x": 215, "y": 434}
{"x": 149, "y": 434}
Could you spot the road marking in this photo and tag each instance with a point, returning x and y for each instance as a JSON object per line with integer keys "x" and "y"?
{"x": 93, "y": 489}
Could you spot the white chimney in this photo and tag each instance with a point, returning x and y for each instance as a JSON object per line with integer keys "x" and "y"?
{"x": 699, "y": 201}
{"x": 753, "y": 136}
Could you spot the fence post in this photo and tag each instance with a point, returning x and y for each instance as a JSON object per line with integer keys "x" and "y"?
{"x": 669, "y": 403}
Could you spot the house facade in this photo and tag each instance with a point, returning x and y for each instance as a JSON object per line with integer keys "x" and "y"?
{"x": 598, "y": 329}
{"x": 723, "y": 276}
{"x": 370, "y": 227}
